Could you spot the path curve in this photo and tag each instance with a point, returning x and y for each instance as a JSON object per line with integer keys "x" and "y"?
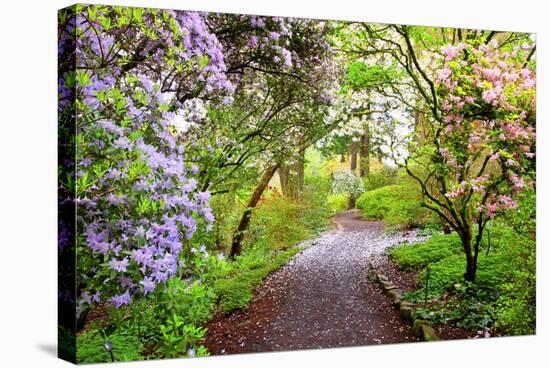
{"x": 322, "y": 298}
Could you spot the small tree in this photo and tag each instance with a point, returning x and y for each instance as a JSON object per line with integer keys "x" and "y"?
{"x": 347, "y": 182}
{"x": 480, "y": 153}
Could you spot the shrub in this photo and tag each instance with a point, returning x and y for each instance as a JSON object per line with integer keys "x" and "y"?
{"x": 282, "y": 222}
{"x": 347, "y": 182}
{"x": 396, "y": 205}
{"x": 378, "y": 179}
{"x": 337, "y": 202}
{"x": 278, "y": 223}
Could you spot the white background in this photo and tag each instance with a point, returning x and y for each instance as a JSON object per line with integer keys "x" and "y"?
{"x": 28, "y": 181}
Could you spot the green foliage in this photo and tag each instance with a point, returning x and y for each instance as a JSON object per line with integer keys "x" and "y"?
{"x": 445, "y": 273}
{"x": 503, "y": 295}
{"x": 337, "y": 202}
{"x": 278, "y": 223}
{"x": 235, "y": 292}
{"x": 178, "y": 337}
{"x": 381, "y": 178}
{"x": 170, "y": 321}
{"x": 434, "y": 249}
{"x": 470, "y": 308}
{"x": 192, "y": 303}
{"x": 361, "y": 75}
{"x": 397, "y": 205}
{"x": 90, "y": 347}
{"x": 516, "y": 308}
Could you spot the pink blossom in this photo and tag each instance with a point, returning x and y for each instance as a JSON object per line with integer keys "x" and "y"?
{"x": 522, "y": 114}
{"x": 527, "y": 83}
{"x": 444, "y": 74}
{"x": 489, "y": 95}
{"x": 491, "y": 209}
{"x": 474, "y": 139}
{"x": 451, "y": 51}
{"x": 449, "y": 128}
{"x": 518, "y": 183}
{"x": 454, "y": 98}
{"x": 444, "y": 152}
{"x": 455, "y": 193}
{"x": 491, "y": 74}
{"x": 511, "y": 77}
{"x": 525, "y": 73}
{"x": 506, "y": 202}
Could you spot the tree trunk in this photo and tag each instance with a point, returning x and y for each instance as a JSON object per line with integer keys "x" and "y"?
{"x": 364, "y": 153}
{"x": 300, "y": 170}
{"x": 351, "y": 202}
{"x": 445, "y": 226}
{"x": 236, "y": 245}
{"x": 283, "y": 178}
{"x": 353, "y": 164}
{"x": 471, "y": 259}
{"x": 471, "y": 268}
{"x": 292, "y": 177}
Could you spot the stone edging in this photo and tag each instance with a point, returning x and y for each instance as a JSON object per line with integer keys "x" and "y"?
{"x": 407, "y": 310}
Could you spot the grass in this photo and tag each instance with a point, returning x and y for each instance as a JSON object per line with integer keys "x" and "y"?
{"x": 449, "y": 271}
{"x": 498, "y": 297}
{"x": 236, "y": 291}
{"x": 434, "y": 249}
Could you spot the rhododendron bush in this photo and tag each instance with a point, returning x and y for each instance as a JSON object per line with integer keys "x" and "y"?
{"x": 488, "y": 133}
{"x": 141, "y": 80}
{"x": 482, "y": 147}
{"x": 472, "y": 149}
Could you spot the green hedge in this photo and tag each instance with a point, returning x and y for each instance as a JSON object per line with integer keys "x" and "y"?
{"x": 397, "y": 205}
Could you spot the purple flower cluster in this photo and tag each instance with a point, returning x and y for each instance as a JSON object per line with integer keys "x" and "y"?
{"x": 139, "y": 201}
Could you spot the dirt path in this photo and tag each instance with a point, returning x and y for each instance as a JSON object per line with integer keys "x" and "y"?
{"x": 320, "y": 299}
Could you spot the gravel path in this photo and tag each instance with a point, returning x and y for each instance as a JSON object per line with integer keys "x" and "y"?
{"x": 322, "y": 298}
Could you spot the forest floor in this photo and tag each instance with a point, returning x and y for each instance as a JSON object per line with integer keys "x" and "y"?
{"x": 321, "y": 299}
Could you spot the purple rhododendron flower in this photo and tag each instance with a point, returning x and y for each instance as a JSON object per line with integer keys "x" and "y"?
{"x": 120, "y": 300}
{"x": 148, "y": 285}
{"x": 119, "y": 266}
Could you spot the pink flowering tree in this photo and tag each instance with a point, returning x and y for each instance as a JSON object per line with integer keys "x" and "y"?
{"x": 478, "y": 153}
{"x": 472, "y": 93}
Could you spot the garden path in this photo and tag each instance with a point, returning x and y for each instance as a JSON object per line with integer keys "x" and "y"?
{"x": 321, "y": 299}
